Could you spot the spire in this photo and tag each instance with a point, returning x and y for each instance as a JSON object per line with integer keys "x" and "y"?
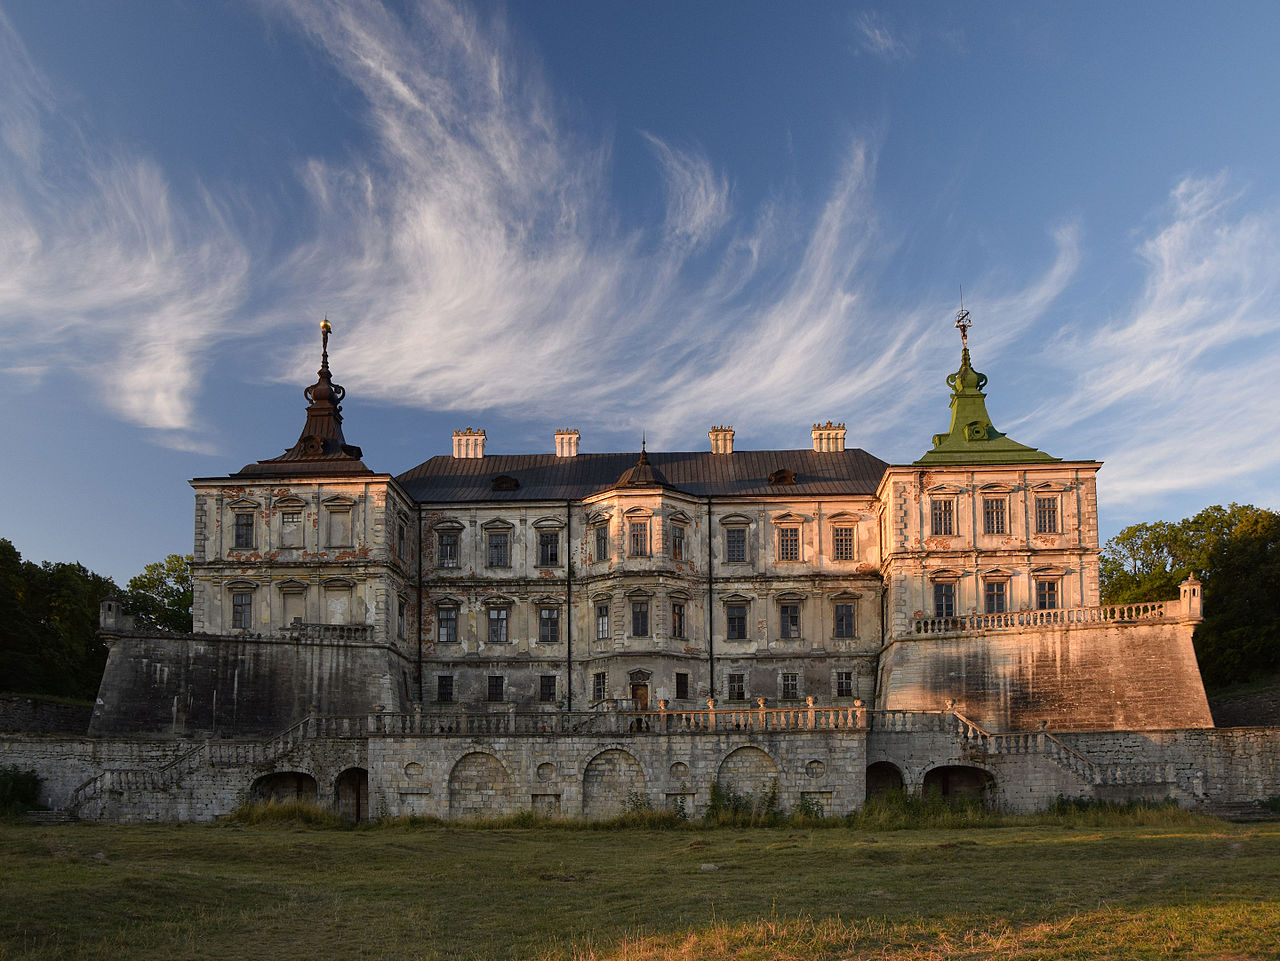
{"x": 321, "y": 439}
{"x": 972, "y": 438}
{"x": 643, "y": 474}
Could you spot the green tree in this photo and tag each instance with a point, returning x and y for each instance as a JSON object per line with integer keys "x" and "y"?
{"x": 49, "y": 626}
{"x": 1235, "y": 550}
{"x": 160, "y": 597}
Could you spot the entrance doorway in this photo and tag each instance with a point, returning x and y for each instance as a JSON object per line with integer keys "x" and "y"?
{"x": 640, "y": 696}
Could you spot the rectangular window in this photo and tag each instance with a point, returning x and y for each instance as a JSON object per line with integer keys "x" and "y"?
{"x": 400, "y": 610}
{"x": 498, "y": 625}
{"x": 496, "y": 684}
{"x": 602, "y": 542}
{"x": 944, "y": 599}
{"x": 736, "y": 627}
{"x": 639, "y": 618}
{"x": 447, "y": 625}
{"x": 993, "y": 516}
{"x": 638, "y": 538}
{"x": 942, "y": 514}
{"x": 243, "y": 531}
{"x": 677, "y": 620}
{"x": 1046, "y": 515}
{"x": 788, "y": 543}
{"x": 499, "y": 549}
{"x": 242, "y": 611}
{"x": 1046, "y": 595}
{"x": 790, "y": 617}
{"x": 844, "y": 622}
{"x": 790, "y": 686}
{"x": 844, "y": 683}
{"x": 737, "y": 687}
{"x": 996, "y": 598}
{"x": 548, "y": 548}
{"x": 448, "y": 552}
{"x": 677, "y": 543}
{"x": 682, "y": 686}
{"x": 602, "y": 622}
{"x": 735, "y": 545}
{"x": 599, "y": 686}
{"x": 842, "y": 543}
{"x": 400, "y": 540}
{"x": 444, "y": 688}
{"x": 547, "y": 688}
{"x": 340, "y": 528}
{"x": 290, "y": 529}
{"x": 549, "y": 625}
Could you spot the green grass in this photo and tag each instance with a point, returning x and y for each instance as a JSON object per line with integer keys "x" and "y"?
{"x": 272, "y": 886}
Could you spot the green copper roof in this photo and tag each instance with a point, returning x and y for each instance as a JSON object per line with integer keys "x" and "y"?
{"x": 972, "y": 439}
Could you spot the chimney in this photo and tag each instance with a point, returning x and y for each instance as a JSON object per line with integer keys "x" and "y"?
{"x": 828, "y": 437}
{"x": 721, "y": 439}
{"x": 468, "y": 443}
{"x": 567, "y": 442}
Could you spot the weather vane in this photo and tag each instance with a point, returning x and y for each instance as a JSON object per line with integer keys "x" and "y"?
{"x": 963, "y": 323}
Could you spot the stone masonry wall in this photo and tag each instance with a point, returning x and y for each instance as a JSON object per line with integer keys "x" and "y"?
{"x": 1088, "y": 677}
{"x": 33, "y": 715}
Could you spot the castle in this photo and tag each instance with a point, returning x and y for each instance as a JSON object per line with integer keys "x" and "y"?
{"x": 570, "y": 631}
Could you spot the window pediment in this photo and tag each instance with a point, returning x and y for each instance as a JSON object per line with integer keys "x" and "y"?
{"x": 844, "y": 518}
{"x": 290, "y": 503}
{"x": 997, "y": 573}
{"x": 789, "y": 597}
{"x": 945, "y": 490}
{"x": 338, "y": 583}
{"x": 547, "y": 600}
{"x": 789, "y": 519}
{"x": 291, "y": 586}
{"x": 680, "y": 517}
{"x": 447, "y": 601}
{"x": 448, "y": 525}
{"x": 339, "y": 502}
{"x": 995, "y": 489}
{"x": 736, "y": 599}
{"x": 601, "y": 597}
{"x": 549, "y": 523}
{"x": 1049, "y": 571}
{"x": 845, "y": 596}
{"x": 499, "y": 600}
{"x": 244, "y": 504}
{"x": 497, "y": 524}
{"x": 1050, "y": 487}
{"x": 945, "y": 575}
{"x": 736, "y": 520}
{"x": 639, "y": 592}
{"x": 638, "y": 512}
{"x": 679, "y": 595}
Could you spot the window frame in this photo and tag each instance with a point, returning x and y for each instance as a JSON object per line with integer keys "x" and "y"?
{"x": 1048, "y": 513}
{"x": 942, "y": 515}
{"x": 735, "y": 542}
{"x": 789, "y": 685}
{"x": 497, "y": 544}
{"x": 604, "y": 621}
{"x": 498, "y": 614}
{"x": 995, "y": 515}
{"x": 789, "y": 623}
{"x": 1048, "y": 592}
{"x": 602, "y": 542}
{"x": 640, "y": 617}
{"x": 548, "y": 624}
{"x": 844, "y": 623}
{"x": 678, "y": 620}
{"x": 682, "y": 686}
{"x": 600, "y": 686}
{"x": 291, "y": 527}
{"x": 244, "y": 530}
{"x": 789, "y": 549}
{"x": 499, "y": 689}
{"x": 677, "y": 542}
{"x": 545, "y": 696}
{"x": 241, "y": 609}
{"x": 945, "y": 597}
{"x": 736, "y": 684}
{"x": 444, "y": 689}
{"x": 548, "y": 548}
{"x": 995, "y": 595}
{"x": 638, "y": 544}
{"x": 448, "y": 549}
{"x": 446, "y": 614}
{"x": 847, "y": 533}
{"x": 844, "y": 684}
{"x": 401, "y": 616}
{"x": 742, "y": 620}
{"x": 335, "y": 533}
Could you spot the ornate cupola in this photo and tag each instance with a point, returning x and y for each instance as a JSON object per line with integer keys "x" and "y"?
{"x": 643, "y": 474}
{"x": 972, "y": 438}
{"x": 321, "y": 448}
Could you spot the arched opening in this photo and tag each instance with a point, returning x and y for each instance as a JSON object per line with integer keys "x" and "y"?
{"x": 959, "y": 784}
{"x": 609, "y": 780}
{"x": 478, "y": 787}
{"x": 351, "y": 794}
{"x": 883, "y": 778}
{"x": 282, "y": 787}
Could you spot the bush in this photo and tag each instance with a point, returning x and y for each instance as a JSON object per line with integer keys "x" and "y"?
{"x": 728, "y": 808}
{"x": 19, "y": 790}
{"x": 296, "y": 813}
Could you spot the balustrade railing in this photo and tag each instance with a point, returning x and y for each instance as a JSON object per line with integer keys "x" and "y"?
{"x": 1062, "y": 617}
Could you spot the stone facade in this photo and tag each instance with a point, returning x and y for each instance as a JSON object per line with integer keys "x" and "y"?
{"x": 575, "y": 633}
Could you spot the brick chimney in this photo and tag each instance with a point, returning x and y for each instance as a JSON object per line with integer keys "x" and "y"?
{"x": 721, "y": 439}
{"x": 828, "y": 437}
{"x": 566, "y": 442}
{"x": 468, "y": 443}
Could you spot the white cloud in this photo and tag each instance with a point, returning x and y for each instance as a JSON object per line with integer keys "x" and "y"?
{"x": 1176, "y": 393}
{"x": 99, "y": 273}
{"x": 876, "y": 38}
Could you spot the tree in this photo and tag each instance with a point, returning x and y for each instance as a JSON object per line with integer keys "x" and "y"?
{"x": 1235, "y": 551}
{"x": 49, "y": 626}
{"x": 160, "y": 597}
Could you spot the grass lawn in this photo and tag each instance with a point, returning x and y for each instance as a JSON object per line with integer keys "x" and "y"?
{"x": 1202, "y": 889}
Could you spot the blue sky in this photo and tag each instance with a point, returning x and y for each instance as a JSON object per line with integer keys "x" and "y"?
{"x": 628, "y": 217}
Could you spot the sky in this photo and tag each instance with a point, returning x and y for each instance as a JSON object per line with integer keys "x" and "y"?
{"x": 628, "y": 218}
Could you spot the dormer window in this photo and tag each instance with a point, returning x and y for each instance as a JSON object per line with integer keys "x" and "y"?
{"x": 505, "y": 482}
{"x": 783, "y": 476}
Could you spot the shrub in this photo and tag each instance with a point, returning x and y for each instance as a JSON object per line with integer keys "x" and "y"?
{"x": 297, "y": 813}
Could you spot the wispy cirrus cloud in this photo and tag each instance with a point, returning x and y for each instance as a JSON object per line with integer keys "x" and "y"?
{"x": 1184, "y": 380}
{"x": 480, "y": 251}
{"x": 876, "y": 37}
{"x": 100, "y": 272}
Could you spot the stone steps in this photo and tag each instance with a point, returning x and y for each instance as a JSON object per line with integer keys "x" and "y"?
{"x": 50, "y": 818}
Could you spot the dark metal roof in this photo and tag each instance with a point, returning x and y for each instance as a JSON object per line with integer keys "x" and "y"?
{"x": 743, "y": 473}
